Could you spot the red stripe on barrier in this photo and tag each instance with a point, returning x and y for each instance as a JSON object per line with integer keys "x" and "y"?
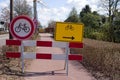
{"x": 13, "y": 55}
{"x": 13, "y": 42}
{"x": 75, "y": 45}
{"x": 43, "y": 56}
{"x": 75, "y": 57}
{"x": 44, "y": 43}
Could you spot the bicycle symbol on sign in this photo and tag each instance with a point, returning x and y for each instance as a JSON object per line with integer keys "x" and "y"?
{"x": 69, "y": 27}
{"x": 23, "y": 27}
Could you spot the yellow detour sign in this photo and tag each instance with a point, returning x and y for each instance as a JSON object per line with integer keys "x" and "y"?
{"x": 69, "y": 32}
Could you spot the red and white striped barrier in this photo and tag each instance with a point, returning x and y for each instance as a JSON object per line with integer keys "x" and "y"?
{"x": 44, "y": 43}
{"x": 43, "y": 56}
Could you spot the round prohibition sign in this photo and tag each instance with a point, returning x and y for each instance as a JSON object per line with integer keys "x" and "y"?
{"x": 22, "y": 27}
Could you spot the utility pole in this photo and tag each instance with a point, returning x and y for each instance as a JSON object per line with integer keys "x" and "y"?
{"x": 35, "y": 14}
{"x": 35, "y": 8}
{"x": 11, "y": 16}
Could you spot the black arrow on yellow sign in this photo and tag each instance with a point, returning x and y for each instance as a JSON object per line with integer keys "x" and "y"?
{"x": 72, "y": 38}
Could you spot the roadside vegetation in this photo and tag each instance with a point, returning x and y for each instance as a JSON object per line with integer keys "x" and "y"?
{"x": 101, "y": 52}
{"x": 101, "y": 58}
{"x": 99, "y": 27}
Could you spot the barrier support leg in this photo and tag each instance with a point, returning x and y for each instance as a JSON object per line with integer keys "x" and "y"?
{"x": 65, "y": 64}
{"x": 67, "y": 61}
{"x": 53, "y": 73}
{"x": 22, "y": 56}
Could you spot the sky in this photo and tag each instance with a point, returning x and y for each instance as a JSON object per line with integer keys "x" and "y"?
{"x": 58, "y": 10}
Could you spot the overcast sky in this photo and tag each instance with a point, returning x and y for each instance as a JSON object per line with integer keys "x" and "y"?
{"x": 58, "y": 10}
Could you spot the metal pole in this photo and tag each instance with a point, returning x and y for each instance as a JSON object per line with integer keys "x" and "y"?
{"x": 11, "y": 16}
{"x": 22, "y": 56}
{"x": 35, "y": 10}
{"x": 67, "y": 62}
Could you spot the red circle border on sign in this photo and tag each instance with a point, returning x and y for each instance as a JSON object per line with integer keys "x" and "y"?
{"x": 12, "y": 26}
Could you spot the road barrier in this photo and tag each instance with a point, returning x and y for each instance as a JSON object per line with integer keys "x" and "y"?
{"x": 49, "y": 56}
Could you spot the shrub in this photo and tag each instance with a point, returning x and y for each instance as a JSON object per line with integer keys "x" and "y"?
{"x": 97, "y": 35}
{"x": 101, "y": 56}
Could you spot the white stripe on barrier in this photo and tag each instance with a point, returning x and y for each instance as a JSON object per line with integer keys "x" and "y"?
{"x": 58, "y": 56}
{"x": 59, "y": 44}
{"x": 29, "y": 55}
{"x": 29, "y": 43}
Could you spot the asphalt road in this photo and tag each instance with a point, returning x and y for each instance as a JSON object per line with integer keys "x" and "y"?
{"x": 41, "y": 69}
{"x": 3, "y": 38}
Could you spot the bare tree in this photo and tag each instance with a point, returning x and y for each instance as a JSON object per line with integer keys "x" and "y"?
{"x": 112, "y": 7}
{"x": 52, "y": 24}
{"x": 5, "y": 14}
{"x": 21, "y": 7}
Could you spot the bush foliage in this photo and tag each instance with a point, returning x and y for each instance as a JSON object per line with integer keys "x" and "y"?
{"x": 97, "y": 26}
